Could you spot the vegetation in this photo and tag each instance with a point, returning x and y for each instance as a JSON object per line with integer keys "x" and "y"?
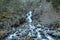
{"x": 29, "y": 38}
{"x": 3, "y": 5}
{"x": 48, "y": 0}
{"x": 55, "y": 3}
{"x": 15, "y": 6}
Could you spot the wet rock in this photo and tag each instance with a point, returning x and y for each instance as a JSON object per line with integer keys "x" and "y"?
{"x": 51, "y": 31}
{"x": 57, "y": 34}
{"x": 58, "y": 29}
{"x": 20, "y": 32}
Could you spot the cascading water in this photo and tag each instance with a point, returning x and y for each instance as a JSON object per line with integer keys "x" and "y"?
{"x": 36, "y": 33}
{"x": 32, "y": 27}
{"x": 29, "y": 15}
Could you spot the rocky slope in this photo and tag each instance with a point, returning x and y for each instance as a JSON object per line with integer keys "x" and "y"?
{"x": 15, "y": 17}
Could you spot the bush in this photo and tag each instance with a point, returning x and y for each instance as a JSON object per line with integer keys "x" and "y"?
{"x": 3, "y": 5}
{"x": 48, "y": 0}
{"x": 55, "y": 3}
{"x": 15, "y": 6}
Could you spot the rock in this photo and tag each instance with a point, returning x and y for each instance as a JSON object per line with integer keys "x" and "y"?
{"x": 19, "y": 22}
{"x": 22, "y": 20}
{"x": 29, "y": 38}
{"x": 21, "y": 32}
{"x": 51, "y": 32}
{"x": 57, "y": 34}
{"x": 58, "y": 29}
{"x": 3, "y": 34}
{"x": 54, "y": 25}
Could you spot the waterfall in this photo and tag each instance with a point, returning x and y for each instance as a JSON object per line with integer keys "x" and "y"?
{"x": 29, "y": 15}
{"x": 29, "y": 20}
{"x": 38, "y": 33}
{"x": 32, "y": 27}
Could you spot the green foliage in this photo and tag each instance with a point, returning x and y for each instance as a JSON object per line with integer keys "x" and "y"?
{"x": 48, "y": 0}
{"x": 11, "y": 6}
{"x": 5, "y": 16}
{"x": 3, "y": 5}
{"x": 55, "y": 3}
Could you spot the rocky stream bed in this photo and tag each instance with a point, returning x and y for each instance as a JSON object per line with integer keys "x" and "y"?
{"x": 33, "y": 31}
{"x": 29, "y": 20}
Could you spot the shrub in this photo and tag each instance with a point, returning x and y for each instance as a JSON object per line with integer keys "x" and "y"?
{"x": 55, "y": 3}
{"x": 15, "y": 6}
{"x": 48, "y": 0}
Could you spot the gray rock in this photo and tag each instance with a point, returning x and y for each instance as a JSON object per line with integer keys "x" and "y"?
{"x": 56, "y": 34}
{"x": 51, "y": 32}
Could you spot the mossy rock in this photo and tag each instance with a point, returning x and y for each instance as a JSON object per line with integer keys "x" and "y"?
{"x": 29, "y": 38}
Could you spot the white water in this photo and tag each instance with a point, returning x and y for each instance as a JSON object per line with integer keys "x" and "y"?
{"x": 32, "y": 27}
{"x": 32, "y": 32}
{"x": 29, "y": 15}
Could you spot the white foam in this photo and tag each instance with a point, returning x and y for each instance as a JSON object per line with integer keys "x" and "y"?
{"x": 29, "y": 15}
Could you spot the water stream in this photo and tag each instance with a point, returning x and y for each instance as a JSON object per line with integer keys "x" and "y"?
{"x": 32, "y": 27}
{"x": 36, "y": 33}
